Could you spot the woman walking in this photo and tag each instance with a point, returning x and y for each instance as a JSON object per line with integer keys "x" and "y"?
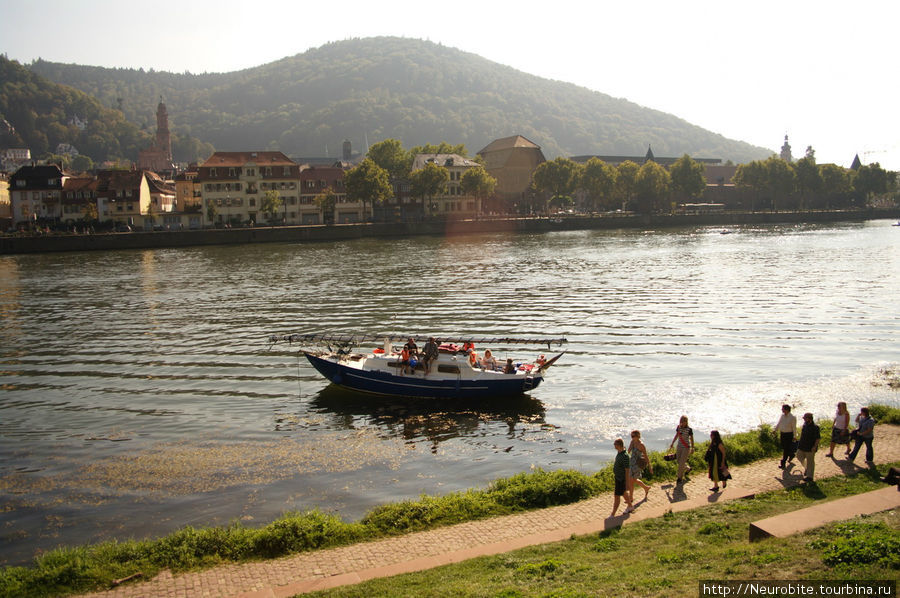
{"x": 718, "y": 464}
{"x": 685, "y": 438}
{"x": 639, "y": 461}
{"x": 840, "y": 430}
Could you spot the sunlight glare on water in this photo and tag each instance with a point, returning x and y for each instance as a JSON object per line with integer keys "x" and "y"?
{"x": 116, "y": 362}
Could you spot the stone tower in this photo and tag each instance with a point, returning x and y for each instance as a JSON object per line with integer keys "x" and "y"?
{"x": 786, "y": 151}
{"x": 163, "y": 140}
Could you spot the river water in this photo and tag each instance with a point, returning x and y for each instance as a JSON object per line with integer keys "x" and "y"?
{"x": 138, "y": 393}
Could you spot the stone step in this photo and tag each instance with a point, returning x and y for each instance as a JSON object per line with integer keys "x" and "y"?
{"x": 788, "y": 524}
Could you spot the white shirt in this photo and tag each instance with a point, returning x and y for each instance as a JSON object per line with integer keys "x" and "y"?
{"x": 787, "y": 424}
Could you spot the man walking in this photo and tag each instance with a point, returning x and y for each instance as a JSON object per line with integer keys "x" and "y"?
{"x": 785, "y": 428}
{"x": 807, "y": 447}
{"x": 620, "y": 475}
{"x": 864, "y": 434}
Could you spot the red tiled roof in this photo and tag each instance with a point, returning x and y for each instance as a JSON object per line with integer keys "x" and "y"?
{"x": 219, "y": 159}
{"x": 508, "y": 143}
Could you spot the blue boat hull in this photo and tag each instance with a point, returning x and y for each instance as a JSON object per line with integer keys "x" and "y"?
{"x": 386, "y": 383}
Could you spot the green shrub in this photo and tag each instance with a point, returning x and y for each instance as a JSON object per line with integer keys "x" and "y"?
{"x": 541, "y": 489}
{"x": 860, "y": 542}
{"x": 884, "y": 414}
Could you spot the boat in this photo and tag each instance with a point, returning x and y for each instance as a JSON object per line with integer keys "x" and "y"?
{"x": 455, "y": 373}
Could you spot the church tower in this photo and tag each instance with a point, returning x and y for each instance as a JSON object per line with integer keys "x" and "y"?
{"x": 786, "y": 151}
{"x": 163, "y": 141}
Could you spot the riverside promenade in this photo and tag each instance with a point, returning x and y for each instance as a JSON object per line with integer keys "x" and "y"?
{"x": 310, "y": 571}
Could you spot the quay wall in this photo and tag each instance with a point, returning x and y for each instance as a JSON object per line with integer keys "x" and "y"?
{"x": 15, "y": 244}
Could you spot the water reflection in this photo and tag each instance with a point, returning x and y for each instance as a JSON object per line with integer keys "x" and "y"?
{"x": 435, "y": 420}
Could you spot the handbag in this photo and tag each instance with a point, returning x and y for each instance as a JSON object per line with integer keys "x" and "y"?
{"x": 669, "y": 457}
{"x": 642, "y": 461}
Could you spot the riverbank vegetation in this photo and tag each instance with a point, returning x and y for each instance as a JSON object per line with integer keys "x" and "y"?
{"x": 69, "y": 570}
{"x": 669, "y": 555}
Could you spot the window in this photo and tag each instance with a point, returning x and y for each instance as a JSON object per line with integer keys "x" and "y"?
{"x": 252, "y": 202}
{"x": 20, "y": 183}
{"x": 212, "y": 172}
{"x": 250, "y": 172}
{"x": 268, "y": 171}
{"x": 231, "y": 172}
{"x": 286, "y": 171}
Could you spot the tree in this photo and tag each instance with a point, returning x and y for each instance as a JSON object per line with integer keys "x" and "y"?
{"x": 557, "y": 177}
{"x": 809, "y": 181}
{"x": 870, "y": 179}
{"x": 836, "y": 184}
{"x": 751, "y": 175}
{"x": 598, "y": 180}
{"x": 779, "y": 178}
{"x": 89, "y": 213}
{"x": 428, "y": 181}
{"x": 270, "y": 204}
{"x": 82, "y": 163}
{"x": 478, "y": 183}
{"x": 326, "y": 200}
{"x": 652, "y": 188}
{"x": 688, "y": 178}
{"x": 211, "y": 211}
{"x": 390, "y": 155}
{"x": 368, "y": 182}
{"x": 626, "y": 177}
{"x": 442, "y": 148}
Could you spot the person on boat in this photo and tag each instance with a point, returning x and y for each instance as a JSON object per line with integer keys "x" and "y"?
{"x": 412, "y": 351}
{"x": 541, "y": 360}
{"x": 468, "y": 346}
{"x": 473, "y": 358}
{"x": 429, "y": 354}
{"x": 488, "y": 362}
{"x": 404, "y": 360}
{"x": 510, "y": 367}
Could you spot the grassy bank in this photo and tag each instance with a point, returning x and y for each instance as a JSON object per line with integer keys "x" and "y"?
{"x": 668, "y": 556}
{"x": 69, "y": 570}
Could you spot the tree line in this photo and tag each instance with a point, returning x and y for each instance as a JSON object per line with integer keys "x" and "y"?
{"x": 771, "y": 184}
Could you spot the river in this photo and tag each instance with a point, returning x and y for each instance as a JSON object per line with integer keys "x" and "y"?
{"x": 139, "y": 393}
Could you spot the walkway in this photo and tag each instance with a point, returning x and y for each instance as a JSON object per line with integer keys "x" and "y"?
{"x": 321, "y": 569}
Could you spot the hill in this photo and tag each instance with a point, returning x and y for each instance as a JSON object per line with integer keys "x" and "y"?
{"x": 38, "y": 114}
{"x": 375, "y": 88}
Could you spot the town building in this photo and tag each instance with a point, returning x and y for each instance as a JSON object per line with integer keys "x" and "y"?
{"x": 319, "y": 179}
{"x": 5, "y": 207}
{"x": 188, "y": 197}
{"x": 512, "y": 162}
{"x": 452, "y": 201}
{"x": 35, "y": 193}
{"x": 123, "y": 196}
{"x": 79, "y": 199}
{"x": 234, "y": 184}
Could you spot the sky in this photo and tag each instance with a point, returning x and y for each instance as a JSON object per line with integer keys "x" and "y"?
{"x": 822, "y": 72}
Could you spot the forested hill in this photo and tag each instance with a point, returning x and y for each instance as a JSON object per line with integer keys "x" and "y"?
{"x": 375, "y": 88}
{"x": 38, "y": 114}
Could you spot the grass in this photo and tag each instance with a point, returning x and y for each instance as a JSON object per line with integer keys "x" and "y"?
{"x": 83, "y": 568}
{"x": 668, "y": 556}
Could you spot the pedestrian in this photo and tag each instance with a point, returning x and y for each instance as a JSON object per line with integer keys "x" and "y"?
{"x": 718, "y": 464}
{"x": 684, "y": 435}
{"x": 620, "y": 474}
{"x": 840, "y": 428}
{"x": 785, "y": 428}
{"x": 864, "y": 435}
{"x": 638, "y": 462}
{"x": 807, "y": 447}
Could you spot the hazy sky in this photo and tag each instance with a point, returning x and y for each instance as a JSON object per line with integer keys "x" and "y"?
{"x": 823, "y": 72}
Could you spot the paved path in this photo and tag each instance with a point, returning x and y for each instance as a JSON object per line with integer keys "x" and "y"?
{"x": 321, "y": 569}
